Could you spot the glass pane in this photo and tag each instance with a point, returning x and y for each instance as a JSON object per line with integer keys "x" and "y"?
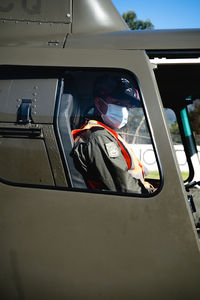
{"x": 194, "y": 116}
{"x": 178, "y": 145}
{"x": 113, "y": 149}
{"x": 137, "y": 135}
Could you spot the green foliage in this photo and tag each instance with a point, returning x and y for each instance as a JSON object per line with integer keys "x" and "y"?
{"x": 174, "y": 128}
{"x": 130, "y": 18}
{"x": 153, "y": 175}
{"x": 136, "y": 130}
{"x": 175, "y": 133}
{"x": 185, "y": 175}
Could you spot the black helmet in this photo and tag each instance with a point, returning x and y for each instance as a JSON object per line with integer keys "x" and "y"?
{"x": 118, "y": 87}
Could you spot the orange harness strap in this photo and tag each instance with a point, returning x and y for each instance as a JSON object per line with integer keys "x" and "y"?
{"x": 137, "y": 165}
{"x": 94, "y": 123}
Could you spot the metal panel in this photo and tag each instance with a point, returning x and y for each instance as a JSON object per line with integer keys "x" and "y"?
{"x": 36, "y": 10}
{"x": 41, "y": 92}
{"x": 94, "y": 16}
{"x": 100, "y": 246}
{"x": 24, "y": 161}
{"x": 33, "y": 34}
{"x": 136, "y": 39}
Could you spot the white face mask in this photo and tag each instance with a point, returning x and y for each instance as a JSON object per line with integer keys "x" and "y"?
{"x": 116, "y": 116}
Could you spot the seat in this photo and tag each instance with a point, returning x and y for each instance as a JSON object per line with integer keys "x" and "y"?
{"x": 68, "y": 116}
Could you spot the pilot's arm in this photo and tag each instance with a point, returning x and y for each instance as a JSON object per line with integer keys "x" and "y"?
{"x": 99, "y": 158}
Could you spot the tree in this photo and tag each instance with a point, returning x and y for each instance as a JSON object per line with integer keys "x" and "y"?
{"x": 130, "y": 18}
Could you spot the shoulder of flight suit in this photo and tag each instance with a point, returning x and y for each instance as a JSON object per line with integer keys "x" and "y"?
{"x": 99, "y": 156}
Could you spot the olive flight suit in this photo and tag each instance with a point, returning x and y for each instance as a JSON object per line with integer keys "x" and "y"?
{"x": 99, "y": 158}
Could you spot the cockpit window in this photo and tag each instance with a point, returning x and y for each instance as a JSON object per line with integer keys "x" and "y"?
{"x": 76, "y": 129}
{"x": 101, "y": 116}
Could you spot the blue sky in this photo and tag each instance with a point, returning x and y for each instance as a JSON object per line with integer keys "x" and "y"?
{"x": 166, "y": 14}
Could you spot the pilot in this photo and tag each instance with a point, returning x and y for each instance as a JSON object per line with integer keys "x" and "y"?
{"x": 104, "y": 159}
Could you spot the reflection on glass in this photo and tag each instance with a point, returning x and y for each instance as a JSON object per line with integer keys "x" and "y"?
{"x": 178, "y": 145}
{"x": 137, "y": 136}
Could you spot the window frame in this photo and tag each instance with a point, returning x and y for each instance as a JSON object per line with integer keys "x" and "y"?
{"x": 27, "y": 72}
{"x": 136, "y": 80}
